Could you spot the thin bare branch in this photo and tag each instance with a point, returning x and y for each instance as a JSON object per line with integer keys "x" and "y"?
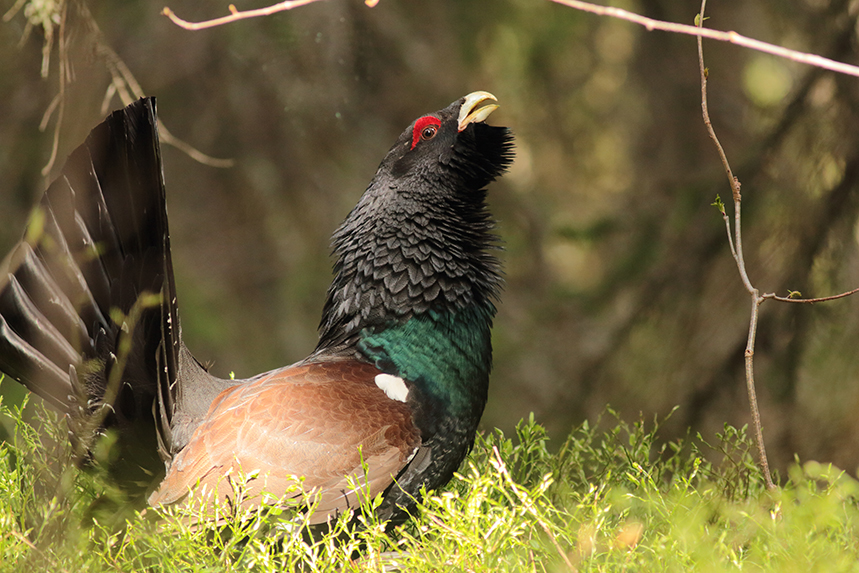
{"x": 738, "y": 244}
{"x": 236, "y": 14}
{"x": 126, "y": 85}
{"x": 649, "y": 23}
{"x": 733, "y": 181}
{"x": 123, "y": 84}
{"x": 59, "y": 104}
{"x": 46, "y": 117}
{"x": 809, "y": 300}
{"x": 16, "y": 7}
{"x": 168, "y": 138}
{"x": 750, "y": 387}
{"x": 730, "y": 37}
{"x": 730, "y": 239}
{"x": 737, "y": 252}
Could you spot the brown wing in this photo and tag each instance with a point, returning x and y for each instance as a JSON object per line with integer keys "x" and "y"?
{"x": 316, "y": 421}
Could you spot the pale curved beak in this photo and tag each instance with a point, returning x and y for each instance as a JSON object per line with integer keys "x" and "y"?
{"x": 471, "y": 112}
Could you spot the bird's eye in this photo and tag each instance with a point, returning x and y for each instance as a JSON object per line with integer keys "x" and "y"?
{"x": 425, "y": 129}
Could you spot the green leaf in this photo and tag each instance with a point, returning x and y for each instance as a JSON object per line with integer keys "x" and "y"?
{"x": 718, "y": 204}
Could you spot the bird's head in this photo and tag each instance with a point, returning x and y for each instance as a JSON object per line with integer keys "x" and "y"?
{"x": 453, "y": 143}
{"x": 420, "y": 237}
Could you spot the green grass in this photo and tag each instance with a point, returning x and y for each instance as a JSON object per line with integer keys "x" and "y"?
{"x": 603, "y": 501}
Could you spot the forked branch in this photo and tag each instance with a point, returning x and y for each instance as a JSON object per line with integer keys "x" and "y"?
{"x": 736, "y": 245}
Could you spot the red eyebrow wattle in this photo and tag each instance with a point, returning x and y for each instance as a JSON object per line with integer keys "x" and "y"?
{"x": 421, "y": 124}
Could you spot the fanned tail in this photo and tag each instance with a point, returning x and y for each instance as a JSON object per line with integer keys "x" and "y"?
{"x": 88, "y": 314}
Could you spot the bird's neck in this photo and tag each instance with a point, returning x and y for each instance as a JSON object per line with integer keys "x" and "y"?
{"x": 419, "y": 260}
{"x": 413, "y": 293}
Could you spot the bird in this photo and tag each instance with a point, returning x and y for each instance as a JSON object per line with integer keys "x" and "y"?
{"x": 387, "y": 403}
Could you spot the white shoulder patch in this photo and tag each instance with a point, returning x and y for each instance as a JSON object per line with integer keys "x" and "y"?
{"x": 393, "y": 386}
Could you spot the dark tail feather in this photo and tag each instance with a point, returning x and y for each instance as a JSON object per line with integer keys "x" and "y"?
{"x": 88, "y": 315}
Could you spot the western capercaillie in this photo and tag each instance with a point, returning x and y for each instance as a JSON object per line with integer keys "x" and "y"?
{"x": 396, "y": 386}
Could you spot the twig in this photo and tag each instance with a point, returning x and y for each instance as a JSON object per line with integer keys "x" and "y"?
{"x": 649, "y": 23}
{"x": 737, "y": 252}
{"x": 731, "y": 37}
{"x": 809, "y": 300}
{"x": 750, "y": 387}
{"x": 236, "y": 14}
{"x": 721, "y": 207}
{"x": 123, "y": 81}
{"x": 59, "y": 103}
{"x": 123, "y": 84}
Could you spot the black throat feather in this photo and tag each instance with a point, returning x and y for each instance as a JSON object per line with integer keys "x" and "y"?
{"x": 419, "y": 239}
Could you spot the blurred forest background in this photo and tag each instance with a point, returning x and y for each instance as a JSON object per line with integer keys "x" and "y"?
{"x": 620, "y": 285}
